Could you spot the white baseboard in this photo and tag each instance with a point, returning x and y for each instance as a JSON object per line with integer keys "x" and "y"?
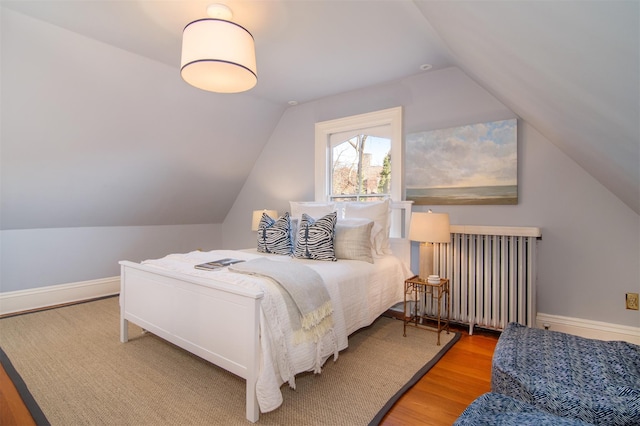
{"x": 25, "y": 300}
{"x": 590, "y": 329}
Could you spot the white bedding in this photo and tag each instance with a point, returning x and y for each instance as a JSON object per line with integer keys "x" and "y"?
{"x": 360, "y": 292}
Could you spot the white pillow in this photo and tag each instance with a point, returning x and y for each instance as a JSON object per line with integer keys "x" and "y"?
{"x": 314, "y": 209}
{"x": 353, "y": 239}
{"x": 379, "y": 212}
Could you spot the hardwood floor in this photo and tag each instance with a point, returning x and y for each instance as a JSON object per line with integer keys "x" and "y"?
{"x": 463, "y": 374}
{"x": 12, "y": 410}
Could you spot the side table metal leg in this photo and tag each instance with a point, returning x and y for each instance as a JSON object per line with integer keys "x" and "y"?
{"x": 438, "y": 312}
{"x": 404, "y": 318}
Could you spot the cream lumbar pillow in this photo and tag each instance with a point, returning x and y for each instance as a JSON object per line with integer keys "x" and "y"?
{"x": 353, "y": 239}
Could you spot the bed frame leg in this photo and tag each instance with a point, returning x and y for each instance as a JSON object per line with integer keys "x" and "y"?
{"x": 124, "y": 330}
{"x": 253, "y": 411}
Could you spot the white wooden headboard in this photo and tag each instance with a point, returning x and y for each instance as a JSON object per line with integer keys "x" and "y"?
{"x": 399, "y": 232}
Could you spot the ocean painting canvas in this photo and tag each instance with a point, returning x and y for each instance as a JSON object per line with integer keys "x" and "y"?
{"x": 471, "y": 164}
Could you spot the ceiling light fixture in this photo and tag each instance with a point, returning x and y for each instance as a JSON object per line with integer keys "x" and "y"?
{"x": 218, "y": 55}
{"x": 426, "y": 67}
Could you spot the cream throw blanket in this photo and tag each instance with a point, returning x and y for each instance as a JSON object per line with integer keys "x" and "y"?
{"x": 307, "y": 299}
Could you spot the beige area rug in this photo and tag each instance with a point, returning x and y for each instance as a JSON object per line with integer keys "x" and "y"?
{"x": 79, "y": 373}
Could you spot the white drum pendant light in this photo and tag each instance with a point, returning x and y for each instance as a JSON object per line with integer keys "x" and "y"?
{"x": 218, "y": 55}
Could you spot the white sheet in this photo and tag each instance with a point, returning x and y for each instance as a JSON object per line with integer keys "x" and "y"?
{"x": 360, "y": 292}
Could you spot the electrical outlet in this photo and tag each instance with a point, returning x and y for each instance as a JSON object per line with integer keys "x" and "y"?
{"x": 632, "y": 301}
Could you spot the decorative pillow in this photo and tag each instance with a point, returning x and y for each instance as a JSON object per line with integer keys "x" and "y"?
{"x": 379, "y": 212}
{"x": 353, "y": 239}
{"x": 312, "y": 208}
{"x": 315, "y": 238}
{"x": 294, "y": 232}
{"x": 274, "y": 236}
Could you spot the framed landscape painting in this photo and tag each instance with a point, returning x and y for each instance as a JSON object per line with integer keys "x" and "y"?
{"x": 471, "y": 164}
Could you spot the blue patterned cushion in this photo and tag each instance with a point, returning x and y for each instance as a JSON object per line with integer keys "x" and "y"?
{"x": 493, "y": 409}
{"x": 592, "y": 380}
{"x": 315, "y": 238}
{"x": 274, "y": 236}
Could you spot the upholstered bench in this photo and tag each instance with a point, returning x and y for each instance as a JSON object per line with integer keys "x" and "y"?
{"x": 493, "y": 409}
{"x": 595, "y": 381}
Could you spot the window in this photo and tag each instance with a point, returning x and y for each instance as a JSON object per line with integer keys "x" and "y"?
{"x": 360, "y": 165}
{"x": 359, "y": 158}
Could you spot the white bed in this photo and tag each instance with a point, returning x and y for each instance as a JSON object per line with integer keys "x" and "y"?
{"x": 240, "y": 323}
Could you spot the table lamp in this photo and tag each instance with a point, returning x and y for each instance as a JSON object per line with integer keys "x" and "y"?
{"x": 257, "y": 215}
{"x": 429, "y": 228}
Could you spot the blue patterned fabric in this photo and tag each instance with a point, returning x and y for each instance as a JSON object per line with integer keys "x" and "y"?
{"x": 274, "y": 236}
{"x": 315, "y": 238}
{"x": 592, "y": 380}
{"x": 494, "y": 409}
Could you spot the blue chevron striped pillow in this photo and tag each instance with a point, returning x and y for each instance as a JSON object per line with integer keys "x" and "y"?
{"x": 315, "y": 238}
{"x": 274, "y": 236}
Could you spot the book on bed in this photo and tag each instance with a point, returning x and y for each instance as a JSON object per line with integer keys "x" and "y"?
{"x": 217, "y": 264}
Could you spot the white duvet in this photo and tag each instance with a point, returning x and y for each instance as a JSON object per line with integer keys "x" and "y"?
{"x": 359, "y": 292}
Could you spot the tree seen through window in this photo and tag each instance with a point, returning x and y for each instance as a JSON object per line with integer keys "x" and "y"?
{"x": 361, "y": 168}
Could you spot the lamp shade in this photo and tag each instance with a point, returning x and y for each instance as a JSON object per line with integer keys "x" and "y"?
{"x": 218, "y": 56}
{"x": 257, "y": 215}
{"x": 430, "y": 227}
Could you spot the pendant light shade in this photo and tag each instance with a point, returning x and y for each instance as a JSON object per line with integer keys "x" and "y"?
{"x": 218, "y": 56}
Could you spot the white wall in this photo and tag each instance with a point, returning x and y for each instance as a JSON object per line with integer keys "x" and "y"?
{"x": 589, "y": 256}
{"x": 97, "y": 141}
{"x": 31, "y": 258}
{"x": 93, "y": 135}
{"x": 285, "y": 169}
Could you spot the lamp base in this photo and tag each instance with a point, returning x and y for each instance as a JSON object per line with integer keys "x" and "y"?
{"x": 426, "y": 260}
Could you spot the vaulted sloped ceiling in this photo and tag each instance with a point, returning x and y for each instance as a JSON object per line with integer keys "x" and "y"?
{"x": 99, "y": 130}
{"x": 571, "y": 69}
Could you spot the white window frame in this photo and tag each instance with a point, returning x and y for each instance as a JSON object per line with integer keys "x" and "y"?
{"x": 324, "y": 130}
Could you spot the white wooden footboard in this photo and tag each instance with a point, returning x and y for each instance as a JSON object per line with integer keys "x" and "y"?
{"x": 216, "y": 321}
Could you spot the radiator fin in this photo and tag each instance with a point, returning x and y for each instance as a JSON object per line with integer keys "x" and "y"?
{"x": 492, "y": 278}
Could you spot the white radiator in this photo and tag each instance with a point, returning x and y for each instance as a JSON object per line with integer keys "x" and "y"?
{"x": 492, "y": 275}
